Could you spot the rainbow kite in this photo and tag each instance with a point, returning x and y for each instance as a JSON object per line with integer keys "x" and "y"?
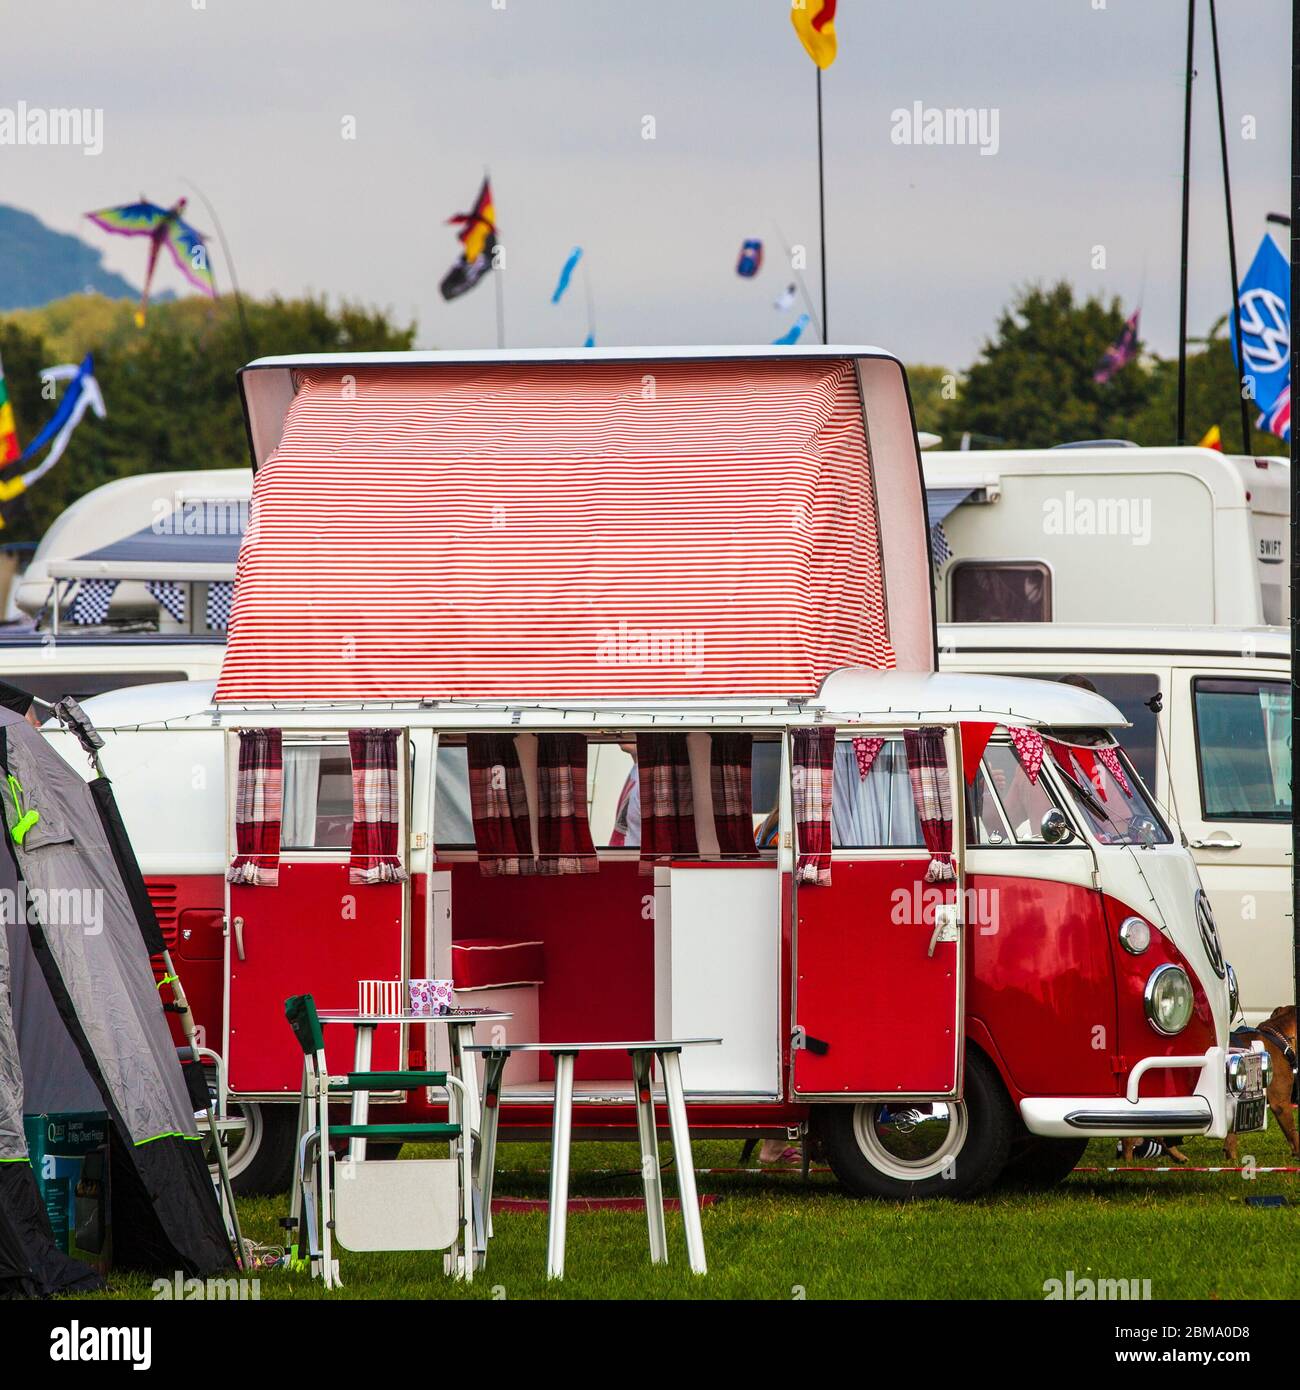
{"x": 163, "y": 227}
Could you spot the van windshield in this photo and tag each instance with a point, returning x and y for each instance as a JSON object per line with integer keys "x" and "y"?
{"x": 1118, "y": 812}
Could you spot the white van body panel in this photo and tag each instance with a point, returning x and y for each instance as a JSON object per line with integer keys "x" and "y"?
{"x": 1194, "y": 536}
{"x": 1245, "y": 864}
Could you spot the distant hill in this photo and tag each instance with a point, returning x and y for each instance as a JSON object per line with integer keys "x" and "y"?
{"x": 38, "y": 265}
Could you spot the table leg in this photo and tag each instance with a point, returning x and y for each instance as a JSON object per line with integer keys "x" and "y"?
{"x": 651, "y": 1177}
{"x": 459, "y": 1037}
{"x": 493, "y": 1067}
{"x": 361, "y": 1099}
{"x": 561, "y": 1132}
{"x": 672, "y": 1069}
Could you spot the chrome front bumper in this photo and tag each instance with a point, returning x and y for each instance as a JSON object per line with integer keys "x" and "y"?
{"x": 1211, "y": 1110}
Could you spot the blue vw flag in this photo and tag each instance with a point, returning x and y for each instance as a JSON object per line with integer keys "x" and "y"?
{"x": 1264, "y": 303}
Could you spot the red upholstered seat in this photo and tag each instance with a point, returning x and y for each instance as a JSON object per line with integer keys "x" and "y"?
{"x": 488, "y": 962}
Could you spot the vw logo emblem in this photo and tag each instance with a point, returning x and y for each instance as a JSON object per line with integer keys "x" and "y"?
{"x": 1209, "y": 933}
{"x": 1265, "y": 331}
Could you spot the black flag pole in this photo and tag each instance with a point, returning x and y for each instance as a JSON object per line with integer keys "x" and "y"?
{"x": 1232, "y": 240}
{"x": 821, "y": 203}
{"x": 1181, "y": 432}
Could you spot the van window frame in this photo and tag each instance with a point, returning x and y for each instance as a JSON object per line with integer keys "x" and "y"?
{"x": 1240, "y": 818}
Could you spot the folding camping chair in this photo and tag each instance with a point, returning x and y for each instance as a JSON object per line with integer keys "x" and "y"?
{"x": 374, "y": 1204}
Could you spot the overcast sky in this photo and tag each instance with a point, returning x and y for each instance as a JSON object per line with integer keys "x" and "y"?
{"x": 247, "y": 98}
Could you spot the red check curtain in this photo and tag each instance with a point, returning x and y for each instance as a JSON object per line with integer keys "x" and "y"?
{"x": 259, "y": 800}
{"x": 376, "y": 790}
{"x": 731, "y": 784}
{"x": 498, "y": 806}
{"x": 564, "y": 843}
{"x": 927, "y": 770}
{"x": 813, "y": 778}
{"x": 667, "y": 799}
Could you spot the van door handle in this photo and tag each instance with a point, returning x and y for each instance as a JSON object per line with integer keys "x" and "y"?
{"x": 1216, "y": 842}
{"x": 239, "y": 937}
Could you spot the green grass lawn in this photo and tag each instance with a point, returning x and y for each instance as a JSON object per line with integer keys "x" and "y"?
{"x": 770, "y": 1236}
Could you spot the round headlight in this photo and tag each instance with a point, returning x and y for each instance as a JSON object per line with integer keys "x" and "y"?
{"x": 1234, "y": 994}
{"x": 1134, "y": 935}
{"x": 1265, "y": 1069}
{"x": 1237, "y": 1072}
{"x": 1169, "y": 1000}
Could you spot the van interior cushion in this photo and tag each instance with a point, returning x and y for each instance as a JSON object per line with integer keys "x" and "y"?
{"x": 487, "y": 962}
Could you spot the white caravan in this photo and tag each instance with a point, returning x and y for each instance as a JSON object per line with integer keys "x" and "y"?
{"x": 177, "y": 529}
{"x": 1220, "y": 701}
{"x": 1095, "y": 534}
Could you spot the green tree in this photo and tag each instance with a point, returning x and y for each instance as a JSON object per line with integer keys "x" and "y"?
{"x": 1032, "y": 385}
{"x": 1212, "y": 399}
{"x": 928, "y": 385}
{"x": 169, "y": 388}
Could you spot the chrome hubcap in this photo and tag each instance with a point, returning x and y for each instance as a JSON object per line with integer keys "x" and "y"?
{"x": 910, "y": 1141}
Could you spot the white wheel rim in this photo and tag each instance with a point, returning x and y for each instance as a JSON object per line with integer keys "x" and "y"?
{"x": 911, "y": 1142}
{"x": 250, "y": 1139}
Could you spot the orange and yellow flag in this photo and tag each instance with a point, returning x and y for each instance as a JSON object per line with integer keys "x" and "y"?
{"x": 1212, "y": 439}
{"x": 814, "y": 22}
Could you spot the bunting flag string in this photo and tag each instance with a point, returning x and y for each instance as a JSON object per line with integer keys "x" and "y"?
{"x": 1028, "y": 745}
{"x": 865, "y": 750}
{"x": 974, "y": 740}
{"x": 1110, "y": 761}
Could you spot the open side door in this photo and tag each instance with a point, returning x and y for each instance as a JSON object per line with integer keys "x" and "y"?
{"x": 314, "y": 932}
{"x": 878, "y": 977}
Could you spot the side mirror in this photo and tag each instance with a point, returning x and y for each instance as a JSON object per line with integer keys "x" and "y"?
{"x": 1055, "y": 829}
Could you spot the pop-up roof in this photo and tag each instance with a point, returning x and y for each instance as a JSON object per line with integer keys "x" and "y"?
{"x": 620, "y": 524}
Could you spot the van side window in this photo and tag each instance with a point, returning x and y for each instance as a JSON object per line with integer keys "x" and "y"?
{"x": 317, "y": 810}
{"x": 1243, "y": 748}
{"x": 1023, "y": 803}
{"x": 875, "y": 811}
{"x": 999, "y": 591}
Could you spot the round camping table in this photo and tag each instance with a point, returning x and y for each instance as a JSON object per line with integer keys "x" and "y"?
{"x": 667, "y": 1052}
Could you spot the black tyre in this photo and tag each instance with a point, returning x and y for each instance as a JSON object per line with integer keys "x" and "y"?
{"x": 261, "y": 1158}
{"x": 909, "y": 1151}
{"x": 1038, "y": 1162}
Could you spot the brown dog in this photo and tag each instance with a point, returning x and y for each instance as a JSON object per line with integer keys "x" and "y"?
{"x": 1277, "y": 1033}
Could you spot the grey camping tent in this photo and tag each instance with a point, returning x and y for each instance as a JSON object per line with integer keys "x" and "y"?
{"x": 82, "y": 1028}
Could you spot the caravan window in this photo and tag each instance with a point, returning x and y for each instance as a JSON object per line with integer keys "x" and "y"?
{"x": 317, "y": 796}
{"x": 999, "y": 591}
{"x": 1243, "y": 748}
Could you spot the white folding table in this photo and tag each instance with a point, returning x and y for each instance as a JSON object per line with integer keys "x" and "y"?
{"x": 667, "y": 1052}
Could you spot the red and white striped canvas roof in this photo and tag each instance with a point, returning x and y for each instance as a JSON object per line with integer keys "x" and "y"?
{"x": 548, "y": 530}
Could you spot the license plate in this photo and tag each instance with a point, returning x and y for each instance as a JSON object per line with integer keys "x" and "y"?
{"x": 1250, "y": 1115}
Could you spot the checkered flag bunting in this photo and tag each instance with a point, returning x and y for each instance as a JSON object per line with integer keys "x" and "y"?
{"x": 220, "y": 596}
{"x": 91, "y": 602}
{"x": 170, "y": 594}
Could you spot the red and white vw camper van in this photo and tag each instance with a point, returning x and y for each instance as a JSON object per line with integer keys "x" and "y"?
{"x": 604, "y": 685}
